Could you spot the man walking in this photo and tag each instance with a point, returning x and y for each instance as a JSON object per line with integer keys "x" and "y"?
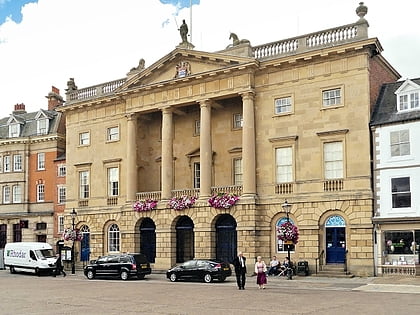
{"x": 240, "y": 270}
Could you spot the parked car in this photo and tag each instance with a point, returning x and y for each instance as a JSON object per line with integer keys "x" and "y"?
{"x": 200, "y": 269}
{"x": 123, "y": 266}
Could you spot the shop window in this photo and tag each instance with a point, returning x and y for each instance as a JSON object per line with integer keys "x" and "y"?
{"x": 399, "y": 242}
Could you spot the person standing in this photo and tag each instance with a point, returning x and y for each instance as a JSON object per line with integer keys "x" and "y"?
{"x": 260, "y": 270}
{"x": 59, "y": 268}
{"x": 240, "y": 270}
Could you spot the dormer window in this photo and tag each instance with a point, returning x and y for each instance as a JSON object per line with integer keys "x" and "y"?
{"x": 42, "y": 126}
{"x": 14, "y": 130}
{"x": 408, "y": 96}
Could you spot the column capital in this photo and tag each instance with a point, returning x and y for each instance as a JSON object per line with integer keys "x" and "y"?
{"x": 248, "y": 94}
{"x": 167, "y": 109}
{"x": 205, "y": 102}
{"x": 131, "y": 116}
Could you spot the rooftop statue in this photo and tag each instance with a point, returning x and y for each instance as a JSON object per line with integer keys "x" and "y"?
{"x": 183, "y": 31}
{"x": 71, "y": 85}
{"x": 236, "y": 41}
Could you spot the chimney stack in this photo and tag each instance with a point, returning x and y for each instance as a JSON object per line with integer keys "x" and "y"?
{"x": 54, "y": 98}
{"x": 19, "y": 109}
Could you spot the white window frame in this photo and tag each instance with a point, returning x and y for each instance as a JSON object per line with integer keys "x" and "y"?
{"x": 237, "y": 171}
{"x": 114, "y": 238}
{"x": 61, "y": 194}
{"x": 6, "y": 194}
{"x": 84, "y": 138}
{"x": 113, "y": 133}
{"x": 332, "y": 97}
{"x": 16, "y": 194}
{"x": 61, "y": 170}
{"x": 113, "y": 181}
{"x": 399, "y": 142}
{"x": 408, "y": 101}
{"x": 401, "y": 192}
{"x": 283, "y": 105}
{"x": 41, "y": 161}
{"x": 40, "y": 193}
{"x": 6, "y": 164}
{"x": 333, "y": 160}
{"x": 42, "y": 126}
{"x": 14, "y": 130}
{"x": 196, "y": 175}
{"x": 197, "y": 127}
{"x": 17, "y": 162}
{"x": 84, "y": 184}
{"x": 284, "y": 165}
{"x": 60, "y": 223}
{"x": 238, "y": 121}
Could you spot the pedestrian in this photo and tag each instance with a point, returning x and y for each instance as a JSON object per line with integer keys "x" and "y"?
{"x": 274, "y": 266}
{"x": 59, "y": 268}
{"x": 240, "y": 270}
{"x": 260, "y": 270}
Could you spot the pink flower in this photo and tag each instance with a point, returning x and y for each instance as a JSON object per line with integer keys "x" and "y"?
{"x": 182, "y": 202}
{"x": 223, "y": 201}
{"x": 145, "y": 205}
{"x": 287, "y": 231}
{"x": 72, "y": 235}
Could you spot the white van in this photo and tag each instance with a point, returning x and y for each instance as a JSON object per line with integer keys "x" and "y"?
{"x": 29, "y": 256}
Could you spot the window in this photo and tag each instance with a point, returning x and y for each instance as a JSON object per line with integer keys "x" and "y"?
{"x": 399, "y": 242}
{"x": 113, "y": 181}
{"x": 42, "y": 126}
{"x": 401, "y": 195}
{"x": 400, "y": 143}
{"x": 284, "y": 165}
{"x": 3, "y": 235}
{"x": 333, "y": 160}
{"x": 40, "y": 193}
{"x": 17, "y": 163}
{"x": 113, "y": 238}
{"x": 61, "y": 170}
{"x": 84, "y": 138}
{"x": 196, "y": 127}
{"x": 17, "y": 194}
{"x": 281, "y": 247}
{"x": 41, "y": 226}
{"x": 331, "y": 97}
{"x": 113, "y": 134}
{"x": 409, "y": 101}
{"x": 14, "y": 130}
{"x": 283, "y": 105}
{"x": 196, "y": 175}
{"x": 6, "y": 194}
{"x": 237, "y": 121}
{"x": 61, "y": 194}
{"x": 6, "y": 163}
{"x": 237, "y": 171}
{"x": 84, "y": 184}
{"x": 41, "y": 161}
{"x": 60, "y": 223}
{"x": 17, "y": 233}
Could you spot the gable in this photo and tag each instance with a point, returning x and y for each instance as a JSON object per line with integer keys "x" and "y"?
{"x": 406, "y": 87}
{"x": 181, "y": 63}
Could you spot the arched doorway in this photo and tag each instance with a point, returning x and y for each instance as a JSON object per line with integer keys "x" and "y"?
{"x": 85, "y": 244}
{"x": 226, "y": 238}
{"x": 335, "y": 237}
{"x": 184, "y": 239}
{"x": 148, "y": 239}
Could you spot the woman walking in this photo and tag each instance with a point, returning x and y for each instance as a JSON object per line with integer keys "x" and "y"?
{"x": 260, "y": 270}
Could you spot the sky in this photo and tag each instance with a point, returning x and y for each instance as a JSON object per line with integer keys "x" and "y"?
{"x": 43, "y": 43}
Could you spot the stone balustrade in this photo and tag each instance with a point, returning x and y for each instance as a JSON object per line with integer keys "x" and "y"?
{"x": 92, "y": 92}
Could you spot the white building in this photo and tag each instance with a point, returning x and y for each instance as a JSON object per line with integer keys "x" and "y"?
{"x": 395, "y": 128}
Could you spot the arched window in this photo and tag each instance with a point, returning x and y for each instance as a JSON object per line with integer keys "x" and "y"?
{"x": 280, "y": 244}
{"x": 113, "y": 238}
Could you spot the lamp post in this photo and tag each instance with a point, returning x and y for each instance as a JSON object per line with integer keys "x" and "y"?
{"x": 73, "y": 217}
{"x": 287, "y": 207}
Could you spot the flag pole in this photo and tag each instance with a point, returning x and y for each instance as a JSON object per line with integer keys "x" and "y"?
{"x": 191, "y": 21}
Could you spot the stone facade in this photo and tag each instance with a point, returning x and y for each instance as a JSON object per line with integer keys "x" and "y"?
{"x": 159, "y": 150}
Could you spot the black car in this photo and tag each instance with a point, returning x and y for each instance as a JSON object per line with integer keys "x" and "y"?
{"x": 123, "y": 266}
{"x": 200, "y": 269}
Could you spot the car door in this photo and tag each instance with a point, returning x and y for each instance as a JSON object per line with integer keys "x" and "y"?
{"x": 100, "y": 266}
{"x": 113, "y": 266}
{"x": 188, "y": 269}
{"x": 202, "y": 268}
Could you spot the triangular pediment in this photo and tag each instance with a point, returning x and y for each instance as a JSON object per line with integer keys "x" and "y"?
{"x": 183, "y": 63}
{"x": 407, "y": 86}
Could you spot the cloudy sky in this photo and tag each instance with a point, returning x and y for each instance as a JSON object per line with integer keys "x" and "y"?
{"x": 45, "y": 42}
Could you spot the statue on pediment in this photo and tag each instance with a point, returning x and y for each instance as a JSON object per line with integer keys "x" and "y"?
{"x": 71, "y": 85}
{"x": 236, "y": 41}
{"x": 183, "y": 31}
{"x": 137, "y": 69}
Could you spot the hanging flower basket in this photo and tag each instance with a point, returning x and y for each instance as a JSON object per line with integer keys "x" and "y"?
{"x": 182, "y": 202}
{"x": 288, "y": 232}
{"x": 145, "y": 205}
{"x": 223, "y": 201}
{"x": 72, "y": 235}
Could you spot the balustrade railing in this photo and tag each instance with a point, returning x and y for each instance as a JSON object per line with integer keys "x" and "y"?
{"x": 94, "y": 91}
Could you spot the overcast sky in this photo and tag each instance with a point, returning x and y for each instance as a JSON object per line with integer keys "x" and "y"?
{"x": 45, "y": 42}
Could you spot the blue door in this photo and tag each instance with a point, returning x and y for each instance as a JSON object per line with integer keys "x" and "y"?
{"x": 85, "y": 244}
{"x": 226, "y": 238}
{"x": 336, "y": 245}
{"x": 148, "y": 239}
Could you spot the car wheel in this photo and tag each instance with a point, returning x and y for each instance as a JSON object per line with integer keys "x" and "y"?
{"x": 90, "y": 274}
{"x": 12, "y": 269}
{"x": 37, "y": 272}
{"x": 207, "y": 278}
{"x": 124, "y": 275}
{"x": 173, "y": 277}
{"x": 141, "y": 276}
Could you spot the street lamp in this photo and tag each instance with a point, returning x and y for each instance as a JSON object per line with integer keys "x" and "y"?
{"x": 287, "y": 207}
{"x": 73, "y": 217}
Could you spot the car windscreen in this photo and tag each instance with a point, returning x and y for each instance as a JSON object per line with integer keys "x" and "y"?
{"x": 44, "y": 253}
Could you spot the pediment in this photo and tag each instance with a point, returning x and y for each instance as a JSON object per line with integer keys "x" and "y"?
{"x": 407, "y": 86}
{"x": 183, "y": 63}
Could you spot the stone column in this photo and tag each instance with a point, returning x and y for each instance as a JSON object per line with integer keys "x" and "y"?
{"x": 249, "y": 188}
{"x": 205, "y": 149}
{"x": 131, "y": 170}
{"x": 167, "y": 153}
